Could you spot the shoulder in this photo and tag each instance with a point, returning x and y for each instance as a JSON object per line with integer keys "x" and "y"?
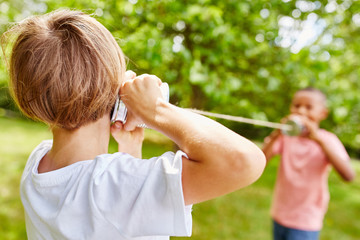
{"x": 326, "y": 133}
{"x": 36, "y": 155}
{"x": 333, "y": 142}
{"x": 329, "y": 136}
{"x": 44, "y": 146}
{"x": 116, "y": 163}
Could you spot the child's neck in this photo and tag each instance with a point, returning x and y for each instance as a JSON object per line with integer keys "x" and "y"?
{"x": 81, "y": 144}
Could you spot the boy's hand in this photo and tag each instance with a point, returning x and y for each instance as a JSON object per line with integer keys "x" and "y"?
{"x": 311, "y": 128}
{"x": 140, "y": 95}
{"x": 128, "y": 141}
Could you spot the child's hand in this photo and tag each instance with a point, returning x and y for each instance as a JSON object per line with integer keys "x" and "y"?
{"x": 311, "y": 127}
{"x": 128, "y": 141}
{"x": 141, "y": 95}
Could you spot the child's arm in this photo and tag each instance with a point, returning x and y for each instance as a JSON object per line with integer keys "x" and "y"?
{"x": 220, "y": 161}
{"x": 341, "y": 165}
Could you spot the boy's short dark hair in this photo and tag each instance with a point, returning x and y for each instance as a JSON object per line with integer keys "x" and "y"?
{"x": 312, "y": 89}
{"x": 315, "y": 90}
{"x": 65, "y": 68}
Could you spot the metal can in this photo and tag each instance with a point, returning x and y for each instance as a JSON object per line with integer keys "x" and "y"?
{"x": 296, "y": 127}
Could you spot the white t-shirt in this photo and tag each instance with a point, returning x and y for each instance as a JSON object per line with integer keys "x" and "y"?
{"x": 114, "y": 196}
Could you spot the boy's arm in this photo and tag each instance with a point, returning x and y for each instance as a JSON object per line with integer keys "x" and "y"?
{"x": 341, "y": 165}
{"x": 220, "y": 161}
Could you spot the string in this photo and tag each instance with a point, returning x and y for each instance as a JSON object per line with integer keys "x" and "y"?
{"x": 285, "y": 127}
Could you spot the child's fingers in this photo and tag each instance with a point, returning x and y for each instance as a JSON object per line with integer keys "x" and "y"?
{"x": 150, "y": 77}
{"x": 155, "y": 78}
{"x": 116, "y": 127}
{"x": 131, "y": 122}
{"x": 130, "y": 126}
{"x": 129, "y": 75}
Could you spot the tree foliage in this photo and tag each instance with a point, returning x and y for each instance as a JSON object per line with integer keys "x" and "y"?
{"x": 234, "y": 57}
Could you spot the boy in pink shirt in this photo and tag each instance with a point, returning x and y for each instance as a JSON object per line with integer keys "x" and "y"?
{"x": 301, "y": 193}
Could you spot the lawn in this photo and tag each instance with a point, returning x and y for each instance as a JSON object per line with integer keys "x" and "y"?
{"x": 241, "y": 215}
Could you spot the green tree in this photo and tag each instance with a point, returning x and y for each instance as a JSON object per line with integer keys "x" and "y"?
{"x": 234, "y": 57}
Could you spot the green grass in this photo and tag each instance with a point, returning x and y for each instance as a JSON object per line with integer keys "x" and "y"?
{"x": 240, "y": 215}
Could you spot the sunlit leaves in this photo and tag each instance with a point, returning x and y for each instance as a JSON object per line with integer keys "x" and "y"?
{"x": 242, "y": 58}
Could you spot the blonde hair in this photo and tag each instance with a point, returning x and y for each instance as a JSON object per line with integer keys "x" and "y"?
{"x": 65, "y": 68}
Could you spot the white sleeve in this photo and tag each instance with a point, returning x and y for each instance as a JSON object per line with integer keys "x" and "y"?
{"x": 143, "y": 197}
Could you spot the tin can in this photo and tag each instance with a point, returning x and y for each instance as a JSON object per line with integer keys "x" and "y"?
{"x": 296, "y": 127}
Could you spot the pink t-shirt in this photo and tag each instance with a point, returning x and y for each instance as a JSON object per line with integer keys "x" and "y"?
{"x": 301, "y": 194}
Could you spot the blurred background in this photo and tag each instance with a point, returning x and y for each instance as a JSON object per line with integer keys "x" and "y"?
{"x": 242, "y": 58}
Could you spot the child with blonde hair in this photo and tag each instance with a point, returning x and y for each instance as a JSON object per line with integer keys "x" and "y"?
{"x": 66, "y": 70}
{"x": 301, "y": 193}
